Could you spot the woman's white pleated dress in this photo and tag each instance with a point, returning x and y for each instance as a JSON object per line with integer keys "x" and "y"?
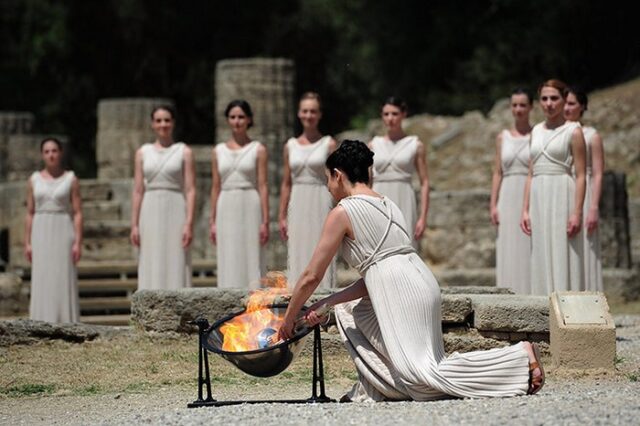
{"x": 163, "y": 264}
{"x": 394, "y": 335}
{"x": 556, "y": 259}
{"x": 592, "y": 257}
{"x": 513, "y": 247}
{"x": 309, "y": 206}
{"x": 54, "y": 280}
{"x": 393, "y": 166}
{"x": 240, "y": 256}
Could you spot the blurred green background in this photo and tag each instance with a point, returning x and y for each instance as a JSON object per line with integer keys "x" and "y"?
{"x": 58, "y": 58}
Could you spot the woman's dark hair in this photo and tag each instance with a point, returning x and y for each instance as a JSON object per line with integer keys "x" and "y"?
{"x": 169, "y": 108}
{"x": 581, "y": 97}
{"x": 313, "y": 96}
{"x": 559, "y": 85}
{"x": 353, "y": 158}
{"x": 523, "y": 91}
{"x": 396, "y": 102}
{"x": 54, "y": 140}
{"x": 244, "y": 106}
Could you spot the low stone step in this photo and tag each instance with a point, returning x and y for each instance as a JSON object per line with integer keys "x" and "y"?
{"x": 123, "y": 319}
{"x": 116, "y": 267}
{"x": 130, "y": 284}
{"x": 101, "y": 210}
{"x": 104, "y": 303}
{"x": 95, "y": 190}
{"x": 106, "y": 229}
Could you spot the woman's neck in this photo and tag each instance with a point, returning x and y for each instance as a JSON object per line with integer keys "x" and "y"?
{"x": 554, "y": 122}
{"x": 360, "y": 188}
{"x": 522, "y": 127}
{"x": 240, "y": 138}
{"x": 54, "y": 171}
{"x": 311, "y": 135}
{"x": 395, "y": 134}
{"x": 164, "y": 142}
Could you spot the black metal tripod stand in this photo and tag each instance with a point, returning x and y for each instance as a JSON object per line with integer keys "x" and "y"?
{"x": 204, "y": 379}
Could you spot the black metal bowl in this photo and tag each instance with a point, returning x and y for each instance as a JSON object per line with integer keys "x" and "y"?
{"x": 265, "y": 362}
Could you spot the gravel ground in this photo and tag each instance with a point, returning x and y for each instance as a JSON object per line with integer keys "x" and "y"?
{"x": 610, "y": 399}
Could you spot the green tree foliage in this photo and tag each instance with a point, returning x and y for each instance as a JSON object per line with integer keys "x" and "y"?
{"x": 58, "y": 58}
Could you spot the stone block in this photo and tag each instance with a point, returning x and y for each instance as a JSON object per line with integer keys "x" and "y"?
{"x": 12, "y": 123}
{"x": 510, "y": 313}
{"x": 621, "y": 285}
{"x": 463, "y": 277}
{"x": 455, "y": 308}
{"x": 170, "y": 310}
{"x": 25, "y": 331}
{"x": 582, "y": 331}
{"x": 13, "y": 300}
{"x": 471, "y": 341}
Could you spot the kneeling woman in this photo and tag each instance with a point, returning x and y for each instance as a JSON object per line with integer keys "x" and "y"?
{"x": 390, "y": 319}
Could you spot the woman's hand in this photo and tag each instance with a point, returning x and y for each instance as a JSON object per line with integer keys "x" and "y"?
{"x": 593, "y": 216}
{"x": 525, "y": 223}
{"x": 286, "y": 331}
{"x": 135, "y": 236}
{"x": 573, "y": 225}
{"x": 284, "y": 229}
{"x": 264, "y": 233}
{"x": 76, "y": 251}
{"x": 213, "y": 234}
{"x": 420, "y": 227}
{"x": 28, "y": 253}
{"x": 495, "y": 218}
{"x": 187, "y": 236}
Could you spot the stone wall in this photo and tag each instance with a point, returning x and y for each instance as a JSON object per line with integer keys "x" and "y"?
{"x": 123, "y": 126}
{"x": 12, "y": 123}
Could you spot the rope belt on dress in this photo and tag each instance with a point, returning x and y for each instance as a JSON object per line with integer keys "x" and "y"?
{"x": 46, "y": 211}
{"x": 551, "y": 169}
{"x": 162, "y": 188}
{"x": 237, "y": 186}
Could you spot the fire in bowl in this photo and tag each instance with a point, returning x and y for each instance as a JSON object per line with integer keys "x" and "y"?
{"x": 266, "y": 357}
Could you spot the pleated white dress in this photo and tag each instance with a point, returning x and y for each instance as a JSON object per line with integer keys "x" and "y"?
{"x": 54, "y": 280}
{"x": 394, "y": 335}
{"x": 309, "y": 206}
{"x": 393, "y": 168}
{"x": 513, "y": 247}
{"x": 162, "y": 262}
{"x": 556, "y": 259}
{"x": 592, "y": 257}
{"x": 240, "y": 256}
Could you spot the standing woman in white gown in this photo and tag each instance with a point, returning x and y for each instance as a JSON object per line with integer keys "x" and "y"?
{"x": 239, "y": 221}
{"x": 552, "y": 210}
{"x": 390, "y": 320}
{"x": 53, "y": 238}
{"x": 163, "y": 205}
{"x": 398, "y": 156}
{"x": 304, "y": 200}
{"x": 574, "y": 108}
{"x": 510, "y": 170}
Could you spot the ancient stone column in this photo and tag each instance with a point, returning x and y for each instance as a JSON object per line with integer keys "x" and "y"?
{"x": 12, "y": 123}
{"x": 268, "y": 85}
{"x": 123, "y": 126}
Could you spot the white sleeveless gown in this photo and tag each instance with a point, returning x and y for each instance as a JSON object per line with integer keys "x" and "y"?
{"x": 556, "y": 259}
{"x": 309, "y": 206}
{"x": 54, "y": 283}
{"x": 240, "y": 256}
{"x": 162, "y": 262}
{"x": 393, "y": 169}
{"x": 513, "y": 247}
{"x": 394, "y": 335}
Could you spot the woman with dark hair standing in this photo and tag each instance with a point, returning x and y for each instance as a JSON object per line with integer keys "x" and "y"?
{"x": 511, "y": 166}
{"x": 574, "y": 108}
{"x": 53, "y": 238}
{"x": 239, "y": 222}
{"x": 398, "y": 156}
{"x": 552, "y": 211}
{"x": 163, "y": 206}
{"x": 304, "y": 200}
{"x": 390, "y": 319}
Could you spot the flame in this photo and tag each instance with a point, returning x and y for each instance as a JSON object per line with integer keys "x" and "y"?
{"x": 241, "y": 332}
